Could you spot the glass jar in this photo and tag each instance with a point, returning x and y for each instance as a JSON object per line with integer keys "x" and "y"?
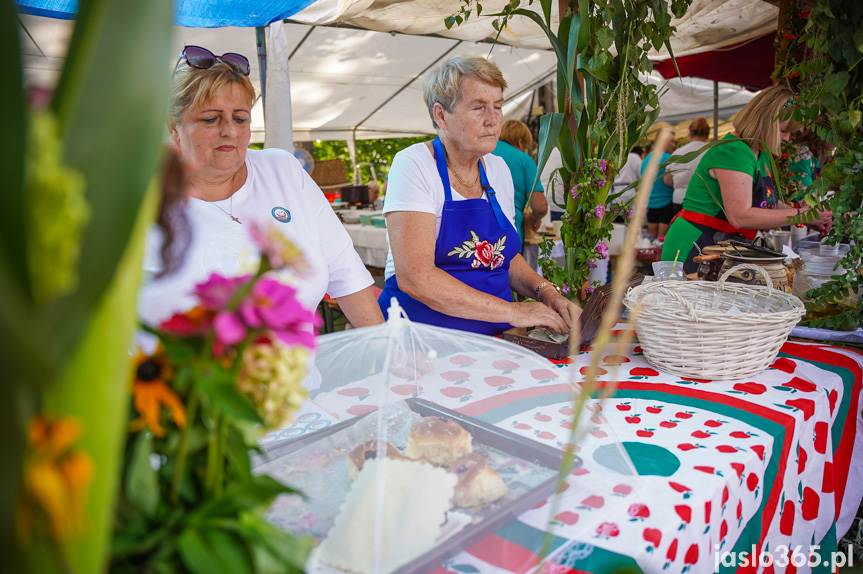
{"x": 819, "y": 267}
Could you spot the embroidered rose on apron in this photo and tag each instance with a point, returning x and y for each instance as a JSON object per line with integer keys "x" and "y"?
{"x": 484, "y": 253}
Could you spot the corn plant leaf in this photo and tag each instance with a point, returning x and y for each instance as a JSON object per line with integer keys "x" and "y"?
{"x": 13, "y": 118}
{"x": 98, "y": 93}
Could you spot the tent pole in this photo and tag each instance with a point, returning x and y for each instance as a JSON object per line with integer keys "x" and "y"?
{"x": 715, "y": 110}
{"x": 261, "y": 42}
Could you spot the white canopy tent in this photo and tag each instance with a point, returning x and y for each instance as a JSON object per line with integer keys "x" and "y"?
{"x": 348, "y": 83}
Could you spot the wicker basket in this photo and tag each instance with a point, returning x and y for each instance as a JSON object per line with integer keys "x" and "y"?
{"x": 331, "y": 172}
{"x": 712, "y": 330}
{"x": 648, "y": 253}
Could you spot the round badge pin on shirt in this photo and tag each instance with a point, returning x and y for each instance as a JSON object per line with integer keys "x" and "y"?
{"x": 281, "y": 214}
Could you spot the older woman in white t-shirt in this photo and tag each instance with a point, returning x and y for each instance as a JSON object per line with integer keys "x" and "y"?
{"x": 230, "y": 187}
{"x": 454, "y": 253}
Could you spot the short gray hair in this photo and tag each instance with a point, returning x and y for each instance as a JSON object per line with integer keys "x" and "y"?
{"x": 442, "y": 83}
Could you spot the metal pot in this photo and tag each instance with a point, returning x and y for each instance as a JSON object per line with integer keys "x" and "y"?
{"x": 355, "y": 194}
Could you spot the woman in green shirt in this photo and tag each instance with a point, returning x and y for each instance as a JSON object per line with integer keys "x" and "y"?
{"x": 732, "y": 194}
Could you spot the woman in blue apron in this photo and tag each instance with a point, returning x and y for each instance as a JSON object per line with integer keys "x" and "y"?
{"x": 454, "y": 253}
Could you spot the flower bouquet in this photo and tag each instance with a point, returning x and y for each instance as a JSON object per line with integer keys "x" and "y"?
{"x": 221, "y": 373}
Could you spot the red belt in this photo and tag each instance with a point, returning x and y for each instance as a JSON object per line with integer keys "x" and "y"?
{"x": 715, "y": 223}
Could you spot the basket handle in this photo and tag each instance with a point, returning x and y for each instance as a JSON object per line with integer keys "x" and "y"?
{"x": 757, "y": 268}
{"x": 680, "y": 299}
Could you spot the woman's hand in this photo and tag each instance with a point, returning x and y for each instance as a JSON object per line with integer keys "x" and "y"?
{"x": 536, "y": 314}
{"x": 568, "y": 311}
{"x": 823, "y": 223}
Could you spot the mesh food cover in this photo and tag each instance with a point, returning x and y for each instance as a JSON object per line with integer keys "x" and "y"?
{"x": 423, "y": 442}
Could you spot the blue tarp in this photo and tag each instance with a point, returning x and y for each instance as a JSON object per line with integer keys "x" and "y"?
{"x": 191, "y": 13}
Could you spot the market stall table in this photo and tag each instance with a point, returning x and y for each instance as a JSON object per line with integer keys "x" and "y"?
{"x": 370, "y": 243}
{"x": 769, "y": 462}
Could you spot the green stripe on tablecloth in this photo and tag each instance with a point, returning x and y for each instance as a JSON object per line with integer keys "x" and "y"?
{"x": 528, "y": 537}
{"x": 752, "y": 531}
{"x": 600, "y": 561}
{"x": 845, "y": 405}
{"x": 496, "y": 415}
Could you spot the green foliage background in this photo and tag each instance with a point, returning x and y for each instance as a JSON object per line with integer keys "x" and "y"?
{"x": 831, "y": 103}
{"x": 378, "y": 152}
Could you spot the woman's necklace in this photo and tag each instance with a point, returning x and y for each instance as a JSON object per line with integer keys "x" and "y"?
{"x": 457, "y": 176}
{"x": 231, "y": 207}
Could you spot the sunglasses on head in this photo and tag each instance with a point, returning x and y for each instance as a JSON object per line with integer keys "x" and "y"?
{"x": 201, "y": 59}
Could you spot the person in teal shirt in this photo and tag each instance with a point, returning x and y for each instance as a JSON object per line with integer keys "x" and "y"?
{"x": 659, "y": 207}
{"x": 515, "y": 140}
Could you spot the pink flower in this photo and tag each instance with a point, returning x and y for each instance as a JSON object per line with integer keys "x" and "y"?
{"x": 589, "y": 290}
{"x": 279, "y": 250}
{"x": 273, "y": 305}
{"x": 602, "y": 250}
{"x": 565, "y": 289}
{"x": 217, "y": 291}
{"x": 229, "y": 328}
{"x": 591, "y": 264}
{"x": 484, "y": 252}
{"x": 599, "y": 210}
{"x": 629, "y": 213}
{"x": 497, "y": 261}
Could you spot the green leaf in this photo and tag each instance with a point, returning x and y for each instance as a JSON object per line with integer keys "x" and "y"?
{"x": 835, "y": 83}
{"x": 212, "y": 551}
{"x": 448, "y": 22}
{"x": 142, "y": 482}
{"x": 13, "y": 118}
{"x": 584, "y": 30}
{"x": 274, "y": 545}
{"x": 221, "y": 387}
{"x": 90, "y": 105}
{"x": 605, "y": 38}
{"x": 549, "y": 129}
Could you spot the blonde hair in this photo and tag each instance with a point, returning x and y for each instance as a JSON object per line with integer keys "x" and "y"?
{"x": 442, "y": 84}
{"x": 514, "y": 131}
{"x": 761, "y": 117}
{"x": 193, "y": 87}
{"x": 699, "y": 127}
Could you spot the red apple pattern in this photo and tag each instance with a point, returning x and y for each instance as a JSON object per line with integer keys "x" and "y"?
{"x": 713, "y": 446}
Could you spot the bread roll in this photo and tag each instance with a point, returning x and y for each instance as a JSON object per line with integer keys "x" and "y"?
{"x": 438, "y": 440}
{"x": 367, "y": 451}
{"x": 478, "y": 483}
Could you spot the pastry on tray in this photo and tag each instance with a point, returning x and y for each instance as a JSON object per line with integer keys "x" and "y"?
{"x": 438, "y": 440}
{"x": 368, "y": 450}
{"x": 478, "y": 483}
{"x": 416, "y": 498}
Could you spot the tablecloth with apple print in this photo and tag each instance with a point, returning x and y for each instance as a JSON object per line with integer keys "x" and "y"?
{"x": 773, "y": 460}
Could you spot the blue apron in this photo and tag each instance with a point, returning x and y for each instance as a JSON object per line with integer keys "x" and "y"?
{"x": 475, "y": 245}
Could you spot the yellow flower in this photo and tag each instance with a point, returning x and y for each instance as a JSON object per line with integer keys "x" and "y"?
{"x": 150, "y": 392}
{"x": 56, "y": 478}
{"x": 272, "y": 377}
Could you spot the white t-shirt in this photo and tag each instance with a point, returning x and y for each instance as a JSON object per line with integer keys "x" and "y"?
{"x": 629, "y": 173}
{"x": 555, "y": 185}
{"x": 415, "y": 185}
{"x": 276, "y": 185}
{"x": 683, "y": 172}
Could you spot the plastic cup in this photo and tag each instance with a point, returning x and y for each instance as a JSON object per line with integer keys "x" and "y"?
{"x": 662, "y": 271}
